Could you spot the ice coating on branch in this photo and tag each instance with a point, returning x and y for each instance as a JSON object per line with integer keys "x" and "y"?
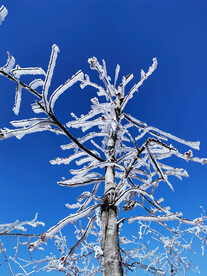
{"x": 17, "y": 99}
{"x": 89, "y": 196}
{"x": 73, "y": 206}
{"x": 116, "y": 74}
{"x": 18, "y": 71}
{"x": 81, "y": 180}
{"x": 36, "y": 107}
{"x": 50, "y": 234}
{"x": 77, "y": 77}
{"x": 93, "y": 63}
{"x": 36, "y": 126}
{"x": 173, "y": 171}
{"x": 27, "y": 122}
{"x": 9, "y": 64}
{"x": 158, "y": 218}
{"x": 66, "y": 161}
{"x": 84, "y": 139}
{"x": 20, "y": 226}
{"x": 49, "y": 74}
{"x": 36, "y": 83}
{"x": 194, "y": 145}
{"x": 135, "y": 88}
{"x": 3, "y": 13}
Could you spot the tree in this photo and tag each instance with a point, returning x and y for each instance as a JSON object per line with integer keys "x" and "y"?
{"x": 118, "y": 151}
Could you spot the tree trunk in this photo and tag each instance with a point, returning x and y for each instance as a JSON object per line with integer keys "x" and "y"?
{"x": 112, "y": 264}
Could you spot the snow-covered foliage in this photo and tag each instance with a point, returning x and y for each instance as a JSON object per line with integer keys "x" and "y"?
{"x": 136, "y": 163}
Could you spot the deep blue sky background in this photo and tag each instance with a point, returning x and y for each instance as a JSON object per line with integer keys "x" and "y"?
{"x": 130, "y": 33}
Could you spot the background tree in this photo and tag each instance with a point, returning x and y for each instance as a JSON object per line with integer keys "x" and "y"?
{"x": 131, "y": 171}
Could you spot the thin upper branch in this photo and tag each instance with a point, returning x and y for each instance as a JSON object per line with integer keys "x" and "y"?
{"x": 51, "y": 115}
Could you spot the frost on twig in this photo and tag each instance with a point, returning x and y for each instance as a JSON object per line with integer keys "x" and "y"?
{"x": 16, "y": 232}
{"x": 169, "y": 254}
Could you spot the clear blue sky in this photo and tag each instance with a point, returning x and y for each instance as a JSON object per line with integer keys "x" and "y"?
{"x": 128, "y": 32}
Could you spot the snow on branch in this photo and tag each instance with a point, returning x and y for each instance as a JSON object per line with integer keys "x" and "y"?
{"x": 33, "y": 125}
{"x": 135, "y": 88}
{"x": 17, "y": 232}
{"x": 84, "y": 180}
{"x": 55, "y": 229}
{"x": 17, "y": 99}
{"x": 9, "y": 64}
{"x": 49, "y": 75}
{"x": 84, "y": 139}
{"x": 3, "y": 13}
{"x": 156, "y": 132}
{"x": 174, "y": 258}
{"x": 176, "y": 216}
{"x": 6, "y": 229}
{"x": 17, "y": 72}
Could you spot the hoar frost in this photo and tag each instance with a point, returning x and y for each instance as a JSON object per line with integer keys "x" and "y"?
{"x": 112, "y": 152}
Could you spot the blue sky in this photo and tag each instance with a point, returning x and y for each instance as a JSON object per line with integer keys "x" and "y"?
{"x": 131, "y": 33}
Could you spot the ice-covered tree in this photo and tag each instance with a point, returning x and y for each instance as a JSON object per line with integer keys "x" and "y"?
{"x": 116, "y": 151}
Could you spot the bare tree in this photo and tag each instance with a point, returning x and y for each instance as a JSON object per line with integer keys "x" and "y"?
{"x": 123, "y": 153}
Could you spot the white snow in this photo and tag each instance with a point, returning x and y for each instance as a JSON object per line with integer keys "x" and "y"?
{"x": 9, "y": 65}
{"x": 3, "y": 13}
{"x": 48, "y": 78}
